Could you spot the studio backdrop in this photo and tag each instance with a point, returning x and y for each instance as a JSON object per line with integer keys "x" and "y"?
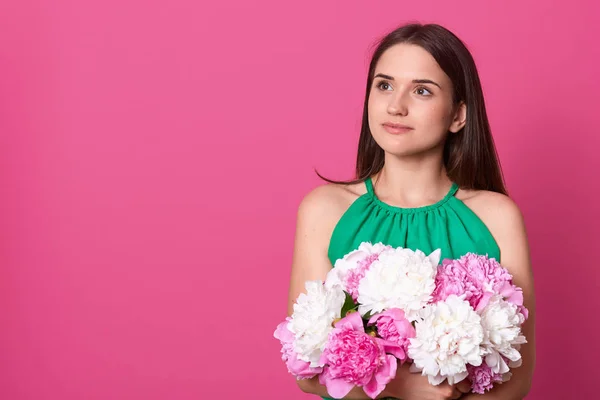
{"x": 153, "y": 155}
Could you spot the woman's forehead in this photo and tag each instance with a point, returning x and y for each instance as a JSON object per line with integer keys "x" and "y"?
{"x": 408, "y": 62}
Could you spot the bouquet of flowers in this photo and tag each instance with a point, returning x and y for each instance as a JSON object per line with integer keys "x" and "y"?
{"x": 381, "y": 305}
{"x": 472, "y": 328}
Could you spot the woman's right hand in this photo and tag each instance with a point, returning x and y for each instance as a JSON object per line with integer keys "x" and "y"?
{"x": 414, "y": 386}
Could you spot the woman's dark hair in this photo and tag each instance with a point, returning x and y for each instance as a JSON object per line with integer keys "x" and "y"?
{"x": 470, "y": 156}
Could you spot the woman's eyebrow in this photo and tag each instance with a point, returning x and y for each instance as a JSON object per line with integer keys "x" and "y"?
{"x": 391, "y": 78}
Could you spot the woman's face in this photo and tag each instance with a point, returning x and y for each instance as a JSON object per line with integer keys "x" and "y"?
{"x": 411, "y": 89}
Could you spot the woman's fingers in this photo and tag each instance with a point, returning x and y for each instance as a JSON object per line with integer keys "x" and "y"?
{"x": 449, "y": 391}
{"x": 464, "y": 386}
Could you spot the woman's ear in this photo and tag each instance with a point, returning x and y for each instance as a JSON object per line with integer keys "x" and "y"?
{"x": 460, "y": 118}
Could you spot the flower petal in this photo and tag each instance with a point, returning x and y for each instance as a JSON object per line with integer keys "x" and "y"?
{"x": 484, "y": 301}
{"x": 337, "y": 388}
{"x": 354, "y": 319}
{"x": 282, "y": 332}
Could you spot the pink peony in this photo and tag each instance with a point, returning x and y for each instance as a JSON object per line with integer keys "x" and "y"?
{"x": 355, "y": 275}
{"x": 300, "y": 369}
{"x": 477, "y": 278}
{"x": 482, "y": 378}
{"x": 453, "y": 277}
{"x": 393, "y": 326}
{"x": 354, "y": 358}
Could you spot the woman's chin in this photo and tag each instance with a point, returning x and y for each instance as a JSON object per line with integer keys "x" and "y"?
{"x": 408, "y": 151}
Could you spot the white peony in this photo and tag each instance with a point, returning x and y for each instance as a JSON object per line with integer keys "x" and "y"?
{"x": 501, "y": 323}
{"x": 311, "y": 321}
{"x": 399, "y": 278}
{"x": 351, "y": 261}
{"x": 448, "y": 337}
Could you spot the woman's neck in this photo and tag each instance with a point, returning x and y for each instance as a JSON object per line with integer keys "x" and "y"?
{"x": 412, "y": 183}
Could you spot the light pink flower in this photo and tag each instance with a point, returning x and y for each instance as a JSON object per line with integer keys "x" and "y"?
{"x": 477, "y": 278}
{"x": 482, "y": 378}
{"x": 355, "y": 275}
{"x": 354, "y": 358}
{"x": 453, "y": 277}
{"x": 511, "y": 294}
{"x": 393, "y": 326}
{"x": 349, "y": 270}
{"x": 300, "y": 369}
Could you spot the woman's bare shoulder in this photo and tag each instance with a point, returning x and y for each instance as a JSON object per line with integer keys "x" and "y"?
{"x": 332, "y": 196}
{"x": 327, "y": 203}
{"x": 498, "y": 211}
{"x": 491, "y": 205}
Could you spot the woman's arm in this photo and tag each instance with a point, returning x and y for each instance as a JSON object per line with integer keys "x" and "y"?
{"x": 505, "y": 222}
{"x": 317, "y": 215}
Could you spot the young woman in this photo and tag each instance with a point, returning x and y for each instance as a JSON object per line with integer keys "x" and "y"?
{"x": 427, "y": 177}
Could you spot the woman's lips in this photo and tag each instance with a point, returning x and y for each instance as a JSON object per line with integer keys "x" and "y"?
{"x": 396, "y": 129}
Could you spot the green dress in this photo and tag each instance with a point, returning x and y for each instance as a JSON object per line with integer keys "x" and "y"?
{"x": 448, "y": 225}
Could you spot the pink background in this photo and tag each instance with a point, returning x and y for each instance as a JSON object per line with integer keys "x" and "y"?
{"x": 153, "y": 155}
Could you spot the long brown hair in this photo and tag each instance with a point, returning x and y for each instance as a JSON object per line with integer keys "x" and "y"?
{"x": 470, "y": 155}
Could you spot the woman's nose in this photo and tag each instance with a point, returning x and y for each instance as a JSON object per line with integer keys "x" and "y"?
{"x": 398, "y": 104}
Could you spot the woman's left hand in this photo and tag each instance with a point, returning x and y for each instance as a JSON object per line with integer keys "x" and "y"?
{"x": 464, "y": 386}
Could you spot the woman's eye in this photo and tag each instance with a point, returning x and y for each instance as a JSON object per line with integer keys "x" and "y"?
{"x": 382, "y": 85}
{"x": 420, "y": 91}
